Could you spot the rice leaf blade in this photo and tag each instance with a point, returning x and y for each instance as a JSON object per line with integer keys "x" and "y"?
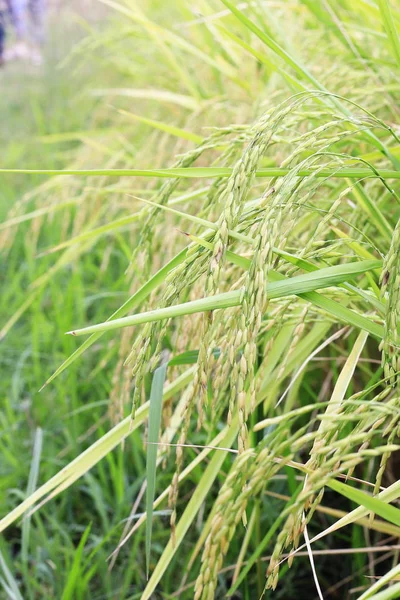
{"x": 278, "y": 289}
{"x": 155, "y": 410}
{"x": 390, "y": 27}
{"x": 373, "y": 504}
{"x": 133, "y": 301}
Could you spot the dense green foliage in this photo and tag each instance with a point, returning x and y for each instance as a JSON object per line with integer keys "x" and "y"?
{"x": 225, "y": 185}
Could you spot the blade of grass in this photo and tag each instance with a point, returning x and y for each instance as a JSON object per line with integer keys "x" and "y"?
{"x": 10, "y": 585}
{"x": 95, "y": 233}
{"x": 343, "y": 381}
{"x": 252, "y": 523}
{"x": 387, "y": 578}
{"x": 199, "y": 494}
{"x": 303, "y": 72}
{"x": 87, "y": 459}
{"x": 117, "y": 224}
{"x": 166, "y": 127}
{"x": 278, "y": 289}
{"x": 292, "y": 81}
{"x": 156, "y": 397}
{"x": 376, "y": 525}
{"x": 181, "y": 100}
{"x": 274, "y": 46}
{"x": 391, "y": 593}
{"x": 373, "y": 504}
{"x": 373, "y": 211}
{"x": 76, "y": 568}
{"x": 138, "y": 297}
{"x": 40, "y": 212}
{"x": 158, "y": 32}
{"x": 32, "y": 483}
{"x": 390, "y": 494}
{"x": 208, "y": 172}
{"x": 336, "y": 309}
{"x": 390, "y": 27}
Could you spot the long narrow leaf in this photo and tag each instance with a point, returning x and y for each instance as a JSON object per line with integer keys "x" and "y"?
{"x": 206, "y": 172}
{"x": 373, "y": 504}
{"x": 391, "y": 593}
{"x": 76, "y": 568}
{"x": 199, "y": 494}
{"x": 389, "y": 24}
{"x": 166, "y": 127}
{"x": 278, "y": 289}
{"x": 387, "y": 578}
{"x": 275, "y": 47}
{"x": 133, "y": 301}
{"x": 156, "y": 397}
{"x": 90, "y": 457}
{"x": 303, "y": 72}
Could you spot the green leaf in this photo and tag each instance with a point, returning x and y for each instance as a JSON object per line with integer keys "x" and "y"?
{"x": 10, "y": 584}
{"x": 161, "y": 35}
{"x": 277, "y": 289}
{"x": 96, "y": 232}
{"x": 90, "y": 457}
{"x": 372, "y": 209}
{"x": 303, "y": 72}
{"x": 373, "y": 504}
{"x": 133, "y": 301}
{"x": 175, "y": 131}
{"x": 292, "y": 81}
{"x": 202, "y": 488}
{"x": 387, "y": 578}
{"x": 342, "y": 383}
{"x": 76, "y": 570}
{"x": 182, "y": 100}
{"x": 274, "y": 46}
{"x": 206, "y": 172}
{"x": 390, "y": 27}
{"x": 389, "y": 494}
{"x": 156, "y": 398}
{"x": 189, "y": 357}
{"x": 391, "y": 593}
{"x": 32, "y": 482}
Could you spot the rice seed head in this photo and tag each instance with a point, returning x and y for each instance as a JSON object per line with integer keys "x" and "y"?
{"x": 390, "y": 290}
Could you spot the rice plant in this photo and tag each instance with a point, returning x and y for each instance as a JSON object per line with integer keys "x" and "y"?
{"x": 223, "y": 235}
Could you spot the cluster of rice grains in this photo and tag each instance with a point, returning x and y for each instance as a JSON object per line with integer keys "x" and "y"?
{"x": 256, "y": 228}
{"x": 390, "y": 287}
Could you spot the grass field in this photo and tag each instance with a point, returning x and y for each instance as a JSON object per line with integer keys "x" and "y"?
{"x": 207, "y": 198}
